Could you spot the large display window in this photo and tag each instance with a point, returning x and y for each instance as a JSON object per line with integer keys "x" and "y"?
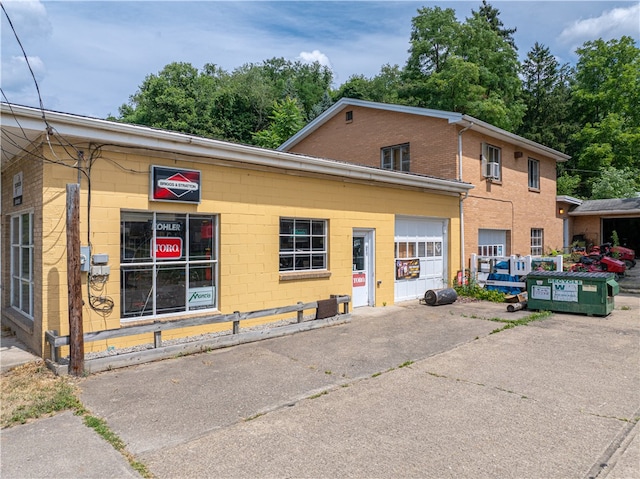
{"x": 168, "y": 263}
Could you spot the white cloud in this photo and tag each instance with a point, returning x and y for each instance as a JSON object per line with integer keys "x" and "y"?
{"x": 611, "y": 24}
{"x": 28, "y": 17}
{"x": 16, "y": 75}
{"x": 315, "y": 56}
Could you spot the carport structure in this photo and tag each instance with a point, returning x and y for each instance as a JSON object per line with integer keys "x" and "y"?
{"x": 596, "y": 220}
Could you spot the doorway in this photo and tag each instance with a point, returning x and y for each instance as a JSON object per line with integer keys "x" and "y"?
{"x": 363, "y": 275}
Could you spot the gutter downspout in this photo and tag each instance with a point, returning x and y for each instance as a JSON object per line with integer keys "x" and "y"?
{"x": 462, "y": 198}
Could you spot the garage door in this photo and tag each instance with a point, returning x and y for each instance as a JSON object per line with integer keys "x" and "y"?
{"x": 420, "y": 256}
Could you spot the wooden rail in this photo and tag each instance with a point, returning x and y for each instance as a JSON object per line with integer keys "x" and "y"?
{"x": 157, "y": 327}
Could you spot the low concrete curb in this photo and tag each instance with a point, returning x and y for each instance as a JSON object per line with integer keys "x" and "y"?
{"x": 122, "y": 360}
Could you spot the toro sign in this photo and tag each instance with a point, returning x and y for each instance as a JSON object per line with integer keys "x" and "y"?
{"x": 167, "y": 248}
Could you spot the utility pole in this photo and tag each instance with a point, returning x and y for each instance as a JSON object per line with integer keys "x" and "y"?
{"x": 76, "y": 334}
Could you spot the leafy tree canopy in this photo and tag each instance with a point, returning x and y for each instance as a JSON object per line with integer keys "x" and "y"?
{"x": 590, "y": 111}
{"x": 465, "y": 67}
{"x": 615, "y": 183}
{"x": 230, "y": 106}
{"x": 286, "y": 120}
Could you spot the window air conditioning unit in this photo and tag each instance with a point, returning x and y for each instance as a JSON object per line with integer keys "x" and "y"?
{"x": 492, "y": 170}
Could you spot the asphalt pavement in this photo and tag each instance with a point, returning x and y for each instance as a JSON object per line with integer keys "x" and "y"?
{"x": 401, "y": 391}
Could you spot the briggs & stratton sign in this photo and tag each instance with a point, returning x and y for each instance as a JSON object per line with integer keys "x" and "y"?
{"x": 174, "y": 184}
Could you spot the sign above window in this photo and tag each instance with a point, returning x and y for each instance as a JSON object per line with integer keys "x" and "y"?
{"x": 175, "y": 184}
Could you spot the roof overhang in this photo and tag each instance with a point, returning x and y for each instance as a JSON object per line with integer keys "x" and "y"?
{"x": 464, "y": 121}
{"x": 503, "y": 135}
{"x": 635, "y": 212}
{"x": 21, "y": 126}
{"x": 568, "y": 200}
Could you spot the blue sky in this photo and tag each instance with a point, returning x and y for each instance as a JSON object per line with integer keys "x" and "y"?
{"x": 89, "y": 57}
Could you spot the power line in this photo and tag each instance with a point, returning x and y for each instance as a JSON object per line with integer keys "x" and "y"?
{"x": 26, "y": 58}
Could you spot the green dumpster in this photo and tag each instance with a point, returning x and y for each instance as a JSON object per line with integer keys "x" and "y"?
{"x": 584, "y": 293}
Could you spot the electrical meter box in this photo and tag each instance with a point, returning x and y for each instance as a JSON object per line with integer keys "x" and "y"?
{"x": 583, "y": 293}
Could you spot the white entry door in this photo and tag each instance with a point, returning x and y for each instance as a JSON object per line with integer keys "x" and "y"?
{"x": 363, "y": 274}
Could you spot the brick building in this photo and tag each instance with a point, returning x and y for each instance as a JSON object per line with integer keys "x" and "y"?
{"x": 596, "y": 221}
{"x": 511, "y": 210}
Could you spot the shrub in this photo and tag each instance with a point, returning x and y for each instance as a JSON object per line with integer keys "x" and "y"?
{"x": 473, "y": 290}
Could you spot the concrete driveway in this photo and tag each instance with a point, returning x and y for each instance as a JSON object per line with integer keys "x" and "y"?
{"x": 402, "y": 391}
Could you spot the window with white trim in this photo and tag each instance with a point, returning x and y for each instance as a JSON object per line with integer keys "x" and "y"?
{"x": 491, "y": 250}
{"x": 537, "y": 240}
{"x": 303, "y": 244}
{"x": 491, "y": 162}
{"x": 168, "y": 263}
{"x": 396, "y": 157}
{"x": 534, "y": 174}
{"x": 492, "y": 242}
{"x": 22, "y": 263}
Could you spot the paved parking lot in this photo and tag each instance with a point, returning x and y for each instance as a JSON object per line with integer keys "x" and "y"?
{"x": 402, "y": 391}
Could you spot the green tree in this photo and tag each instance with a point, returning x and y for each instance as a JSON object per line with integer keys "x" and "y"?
{"x": 616, "y": 183}
{"x": 228, "y": 106}
{"x": 435, "y": 35}
{"x": 286, "y": 120}
{"x": 383, "y": 87}
{"x": 567, "y": 184}
{"x": 177, "y": 98}
{"x": 498, "y": 67}
{"x": 607, "y": 80}
{"x": 547, "y": 96}
{"x": 492, "y": 16}
{"x": 321, "y": 106}
{"x": 468, "y": 68}
{"x": 606, "y": 102}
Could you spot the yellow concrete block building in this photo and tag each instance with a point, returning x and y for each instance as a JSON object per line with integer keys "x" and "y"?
{"x": 174, "y": 226}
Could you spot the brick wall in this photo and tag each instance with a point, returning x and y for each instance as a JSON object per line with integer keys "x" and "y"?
{"x": 29, "y": 331}
{"x": 589, "y": 226}
{"x": 432, "y": 141}
{"x": 506, "y": 205}
{"x": 510, "y": 204}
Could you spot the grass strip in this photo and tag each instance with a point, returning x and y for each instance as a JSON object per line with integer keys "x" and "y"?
{"x": 512, "y": 323}
{"x": 32, "y": 391}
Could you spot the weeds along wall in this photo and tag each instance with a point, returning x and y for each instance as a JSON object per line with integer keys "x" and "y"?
{"x": 248, "y": 202}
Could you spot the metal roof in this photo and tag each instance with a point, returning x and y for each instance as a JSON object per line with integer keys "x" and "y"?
{"x": 608, "y": 207}
{"x": 22, "y": 126}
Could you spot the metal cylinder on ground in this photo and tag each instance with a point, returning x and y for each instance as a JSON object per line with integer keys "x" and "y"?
{"x": 436, "y": 297}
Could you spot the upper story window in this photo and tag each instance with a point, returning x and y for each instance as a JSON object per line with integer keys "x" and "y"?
{"x": 396, "y": 157}
{"x": 348, "y": 116}
{"x": 303, "y": 244}
{"x": 22, "y": 263}
{"x": 491, "y": 162}
{"x": 534, "y": 174}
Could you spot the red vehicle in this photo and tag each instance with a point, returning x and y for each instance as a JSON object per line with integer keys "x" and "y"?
{"x": 600, "y": 263}
{"x": 625, "y": 254}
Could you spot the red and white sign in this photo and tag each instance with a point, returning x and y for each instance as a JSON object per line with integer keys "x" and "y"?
{"x": 167, "y": 248}
{"x": 359, "y": 279}
{"x": 175, "y": 184}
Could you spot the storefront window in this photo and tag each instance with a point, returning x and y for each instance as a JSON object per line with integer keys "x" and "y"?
{"x": 168, "y": 263}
